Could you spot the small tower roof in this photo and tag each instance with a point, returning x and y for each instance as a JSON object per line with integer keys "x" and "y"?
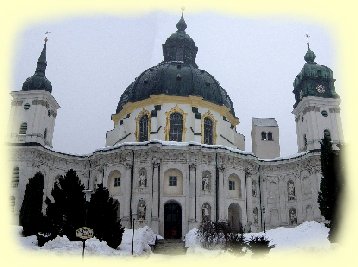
{"x": 38, "y": 81}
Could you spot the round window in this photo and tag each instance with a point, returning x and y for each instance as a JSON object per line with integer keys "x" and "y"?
{"x": 324, "y": 113}
{"x": 27, "y": 106}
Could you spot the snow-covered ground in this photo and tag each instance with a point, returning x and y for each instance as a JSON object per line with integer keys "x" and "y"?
{"x": 309, "y": 236}
{"x": 143, "y": 238}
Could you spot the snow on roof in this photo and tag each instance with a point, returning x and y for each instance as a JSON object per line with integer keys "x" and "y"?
{"x": 266, "y": 122}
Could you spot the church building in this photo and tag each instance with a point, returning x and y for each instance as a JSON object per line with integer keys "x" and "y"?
{"x": 174, "y": 157}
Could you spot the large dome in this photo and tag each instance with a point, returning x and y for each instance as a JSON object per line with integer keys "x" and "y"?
{"x": 177, "y": 75}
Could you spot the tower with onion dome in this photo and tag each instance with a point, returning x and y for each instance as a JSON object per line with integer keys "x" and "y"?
{"x": 317, "y": 106}
{"x": 34, "y": 109}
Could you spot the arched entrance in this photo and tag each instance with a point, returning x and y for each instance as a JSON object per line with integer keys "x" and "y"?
{"x": 172, "y": 220}
{"x": 234, "y": 217}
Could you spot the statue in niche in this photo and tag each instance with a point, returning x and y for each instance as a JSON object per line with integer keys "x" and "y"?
{"x": 142, "y": 179}
{"x": 141, "y": 210}
{"x": 291, "y": 190}
{"x": 256, "y": 215}
{"x": 205, "y": 183}
{"x": 254, "y": 192}
{"x": 293, "y": 216}
{"x": 205, "y": 212}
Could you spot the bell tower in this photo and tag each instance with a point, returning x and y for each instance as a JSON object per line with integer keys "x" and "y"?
{"x": 34, "y": 109}
{"x": 317, "y": 107}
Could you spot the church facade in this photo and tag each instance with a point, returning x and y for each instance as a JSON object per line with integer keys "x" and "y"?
{"x": 174, "y": 157}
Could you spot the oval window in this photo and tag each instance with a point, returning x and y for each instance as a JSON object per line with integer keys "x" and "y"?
{"x": 324, "y": 113}
{"x": 27, "y": 106}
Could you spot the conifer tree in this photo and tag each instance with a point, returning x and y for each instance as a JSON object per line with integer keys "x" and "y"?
{"x": 31, "y": 216}
{"x": 102, "y": 217}
{"x": 67, "y": 213}
{"x": 331, "y": 184}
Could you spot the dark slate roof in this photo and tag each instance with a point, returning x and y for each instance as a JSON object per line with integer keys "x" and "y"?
{"x": 38, "y": 81}
{"x": 177, "y": 75}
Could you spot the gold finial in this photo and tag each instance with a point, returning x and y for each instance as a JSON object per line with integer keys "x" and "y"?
{"x": 182, "y": 10}
{"x": 308, "y": 40}
{"x": 46, "y": 34}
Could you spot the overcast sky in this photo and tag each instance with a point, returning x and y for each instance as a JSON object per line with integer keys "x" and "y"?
{"x": 91, "y": 60}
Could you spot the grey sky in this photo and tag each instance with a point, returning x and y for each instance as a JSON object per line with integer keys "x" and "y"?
{"x": 91, "y": 60}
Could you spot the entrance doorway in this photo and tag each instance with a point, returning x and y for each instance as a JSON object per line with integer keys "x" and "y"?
{"x": 172, "y": 220}
{"x": 234, "y": 217}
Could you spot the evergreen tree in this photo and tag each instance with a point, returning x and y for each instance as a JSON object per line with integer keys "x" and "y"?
{"x": 67, "y": 213}
{"x": 102, "y": 217}
{"x": 331, "y": 184}
{"x": 31, "y": 216}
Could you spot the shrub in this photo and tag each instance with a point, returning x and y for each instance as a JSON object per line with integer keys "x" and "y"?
{"x": 236, "y": 244}
{"x": 213, "y": 235}
{"x": 260, "y": 245}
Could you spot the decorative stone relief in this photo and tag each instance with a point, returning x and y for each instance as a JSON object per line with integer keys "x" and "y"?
{"x": 292, "y": 216}
{"x": 142, "y": 178}
{"x": 141, "y": 210}
{"x": 291, "y": 190}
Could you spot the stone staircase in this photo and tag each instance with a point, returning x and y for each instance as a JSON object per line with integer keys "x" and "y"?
{"x": 170, "y": 247}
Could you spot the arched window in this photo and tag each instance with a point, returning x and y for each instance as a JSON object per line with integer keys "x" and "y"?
{"x": 208, "y": 131}
{"x": 269, "y": 136}
{"x": 45, "y": 134}
{"x": 143, "y": 128}
{"x": 23, "y": 128}
{"x": 263, "y": 136}
{"x": 176, "y": 127}
{"x": 15, "y": 177}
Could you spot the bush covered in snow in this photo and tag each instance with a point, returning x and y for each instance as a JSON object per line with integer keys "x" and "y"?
{"x": 213, "y": 235}
{"x": 260, "y": 245}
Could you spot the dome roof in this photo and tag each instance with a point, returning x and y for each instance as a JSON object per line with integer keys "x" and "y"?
{"x": 38, "y": 81}
{"x": 177, "y": 75}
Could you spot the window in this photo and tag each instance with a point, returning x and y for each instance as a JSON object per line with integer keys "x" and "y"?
{"x": 176, "y": 127}
{"x": 231, "y": 185}
{"x": 143, "y": 129}
{"x": 117, "y": 182}
{"x": 326, "y": 133}
{"x": 27, "y": 106}
{"x": 269, "y": 136}
{"x": 15, "y": 177}
{"x": 12, "y": 203}
{"x": 208, "y": 131}
{"x": 324, "y": 113}
{"x": 263, "y": 136}
{"x": 305, "y": 141}
{"x": 45, "y": 134}
{"x": 172, "y": 181}
{"x": 23, "y": 128}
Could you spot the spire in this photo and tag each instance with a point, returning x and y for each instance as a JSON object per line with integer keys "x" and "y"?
{"x": 41, "y": 62}
{"x": 310, "y": 56}
{"x": 38, "y": 81}
{"x": 181, "y": 25}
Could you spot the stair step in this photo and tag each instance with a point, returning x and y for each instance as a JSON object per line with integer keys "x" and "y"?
{"x": 170, "y": 247}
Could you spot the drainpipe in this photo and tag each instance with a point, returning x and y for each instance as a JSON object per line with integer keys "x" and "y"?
{"x": 260, "y": 198}
{"x": 247, "y": 217}
{"x": 216, "y": 187}
{"x": 131, "y": 195}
